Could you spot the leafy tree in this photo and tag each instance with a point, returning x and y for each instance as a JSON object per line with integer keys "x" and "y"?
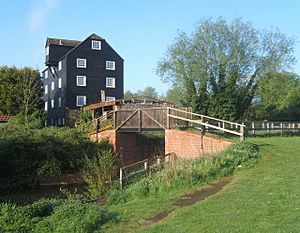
{"x": 217, "y": 67}
{"x": 278, "y": 97}
{"x": 147, "y": 92}
{"x": 20, "y": 90}
{"x": 128, "y": 94}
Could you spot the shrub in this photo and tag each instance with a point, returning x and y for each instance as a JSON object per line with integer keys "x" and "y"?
{"x": 51, "y": 215}
{"x": 75, "y": 216}
{"x": 26, "y": 154}
{"x": 99, "y": 172}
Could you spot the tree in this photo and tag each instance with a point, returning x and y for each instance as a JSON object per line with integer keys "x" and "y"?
{"x": 277, "y": 97}
{"x": 128, "y": 94}
{"x": 216, "y": 69}
{"x": 21, "y": 90}
{"x": 147, "y": 92}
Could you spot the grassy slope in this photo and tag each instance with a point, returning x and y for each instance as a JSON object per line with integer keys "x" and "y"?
{"x": 262, "y": 199}
{"x": 265, "y": 198}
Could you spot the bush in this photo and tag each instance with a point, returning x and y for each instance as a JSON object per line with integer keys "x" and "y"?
{"x": 98, "y": 172}
{"x": 51, "y": 215}
{"x": 75, "y": 216}
{"x": 186, "y": 173}
{"x": 26, "y": 154}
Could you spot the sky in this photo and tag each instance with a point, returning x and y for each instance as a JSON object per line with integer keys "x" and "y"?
{"x": 139, "y": 30}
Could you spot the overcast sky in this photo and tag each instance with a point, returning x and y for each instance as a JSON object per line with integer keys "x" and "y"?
{"x": 139, "y": 30}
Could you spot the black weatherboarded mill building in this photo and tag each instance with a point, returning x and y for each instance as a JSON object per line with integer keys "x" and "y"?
{"x": 79, "y": 73}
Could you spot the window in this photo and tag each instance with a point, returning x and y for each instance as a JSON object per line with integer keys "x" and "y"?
{"x": 59, "y": 102}
{"x": 52, "y": 103}
{"x": 80, "y": 100}
{"x": 60, "y": 65}
{"x": 110, "y": 82}
{"x": 81, "y": 63}
{"x": 59, "y": 83}
{"x": 63, "y": 121}
{"x": 46, "y": 89}
{"x": 110, "y": 65}
{"x": 47, "y": 50}
{"x": 52, "y": 86}
{"x": 59, "y": 121}
{"x": 96, "y": 45}
{"x": 46, "y": 106}
{"x": 110, "y": 98}
{"x": 81, "y": 81}
{"x": 46, "y": 74}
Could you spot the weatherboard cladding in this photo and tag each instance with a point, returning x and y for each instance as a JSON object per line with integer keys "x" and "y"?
{"x": 68, "y": 51}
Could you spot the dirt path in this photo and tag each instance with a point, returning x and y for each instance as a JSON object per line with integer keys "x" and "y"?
{"x": 194, "y": 197}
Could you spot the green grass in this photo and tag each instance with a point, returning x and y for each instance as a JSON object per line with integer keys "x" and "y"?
{"x": 264, "y": 198}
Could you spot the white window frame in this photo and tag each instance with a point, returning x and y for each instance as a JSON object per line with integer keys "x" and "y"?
{"x": 46, "y": 89}
{"x": 59, "y": 65}
{"x": 46, "y": 106}
{"x": 59, "y": 83}
{"x": 47, "y": 50}
{"x": 52, "y": 86}
{"x": 110, "y": 98}
{"x": 78, "y": 99}
{"x": 110, "y": 65}
{"x": 78, "y": 61}
{"x": 84, "y": 80}
{"x": 59, "y": 102}
{"x": 110, "y": 82}
{"x": 46, "y": 74}
{"x": 94, "y": 42}
{"x": 52, "y": 103}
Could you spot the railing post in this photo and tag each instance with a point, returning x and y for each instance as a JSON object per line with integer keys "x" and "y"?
{"x": 242, "y": 131}
{"x": 168, "y": 118}
{"x": 121, "y": 178}
{"x": 281, "y": 127}
{"x": 97, "y": 130}
{"x": 146, "y": 165}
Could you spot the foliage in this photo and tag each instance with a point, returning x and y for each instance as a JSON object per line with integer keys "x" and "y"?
{"x": 50, "y": 215}
{"x": 147, "y": 92}
{"x": 26, "y": 154}
{"x": 278, "y": 97}
{"x": 216, "y": 68}
{"x": 188, "y": 173}
{"x": 34, "y": 121}
{"x": 98, "y": 172}
{"x": 20, "y": 90}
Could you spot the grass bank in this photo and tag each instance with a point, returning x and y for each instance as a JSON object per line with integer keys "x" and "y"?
{"x": 261, "y": 199}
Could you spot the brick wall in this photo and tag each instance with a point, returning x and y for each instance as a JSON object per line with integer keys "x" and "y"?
{"x": 188, "y": 144}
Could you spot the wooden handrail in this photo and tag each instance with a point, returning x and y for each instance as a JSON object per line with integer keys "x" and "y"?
{"x": 208, "y": 117}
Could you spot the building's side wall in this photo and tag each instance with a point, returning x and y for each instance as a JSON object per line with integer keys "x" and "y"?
{"x": 95, "y": 73}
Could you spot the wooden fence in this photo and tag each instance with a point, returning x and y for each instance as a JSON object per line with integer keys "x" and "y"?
{"x": 128, "y": 172}
{"x": 263, "y": 127}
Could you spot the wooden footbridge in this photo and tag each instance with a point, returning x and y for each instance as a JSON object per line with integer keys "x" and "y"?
{"x": 162, "y": 118}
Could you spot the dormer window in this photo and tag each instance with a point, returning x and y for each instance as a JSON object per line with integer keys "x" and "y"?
{"x": 47, "y": 50}
{"x": 96, "y": 45}
{"x": 110, "y": 65}
{"x": 60, "y": 65}
{"x": 81, "y": 63}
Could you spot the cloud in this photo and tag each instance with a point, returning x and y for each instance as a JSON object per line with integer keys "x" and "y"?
{"x": 39, "y": 12}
